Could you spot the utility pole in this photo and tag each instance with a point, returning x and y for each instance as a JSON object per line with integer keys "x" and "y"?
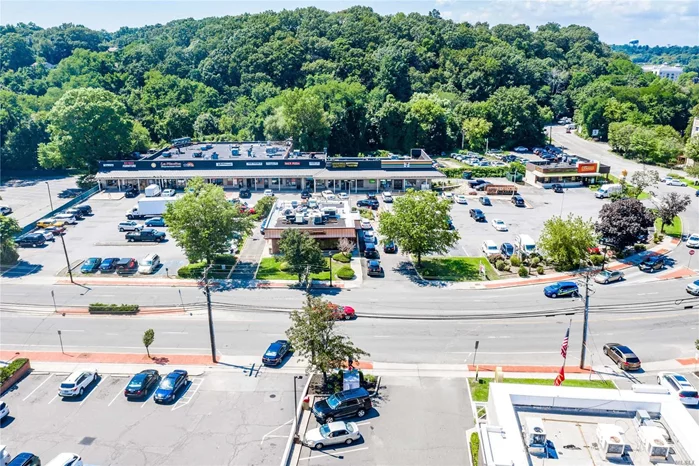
{"x": 50, "y": 200}
{"x": 65, "y": 251}
{"x": 212, "y": 338}
{"x": 330, "y": 259}
{"x": 585, "y": 317}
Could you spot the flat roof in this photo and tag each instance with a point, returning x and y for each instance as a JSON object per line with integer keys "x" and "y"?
{"x": 216, "y": 174}
{"x": 344, "y": 217}
{"x": 259, "y": 151}
{"x": 378, "y": 174}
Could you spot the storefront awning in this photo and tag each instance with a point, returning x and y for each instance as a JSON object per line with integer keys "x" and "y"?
{"x": 378, "y": 175}
{"x": 566, "y": 175}
{"x": 217, "y": 174}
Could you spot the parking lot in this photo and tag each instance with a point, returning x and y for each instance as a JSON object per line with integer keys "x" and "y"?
{"x": 415, "y": 421}
{"x": 29, "y": 199}
{"x": 219, "y": 418}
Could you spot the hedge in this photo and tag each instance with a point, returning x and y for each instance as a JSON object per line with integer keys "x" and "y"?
{"x": 9, "y": 370}
{"x": 345, "y": 272}
{"x": 475, "y": 448}
{"x": 196, "y": 270}
{"x": 341, "y": 257}
{"x": 101, "y": 308}
{"x": 483, "y": 172}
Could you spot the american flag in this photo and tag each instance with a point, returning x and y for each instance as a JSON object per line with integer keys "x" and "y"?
{"x": 560, "y": 377}
{"x": 564, "y": 345}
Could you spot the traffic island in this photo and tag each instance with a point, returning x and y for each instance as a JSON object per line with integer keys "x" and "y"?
{"x": 456, "y": 269}
{"x": 13, "y": 372}
{"x": 114, "y": 309}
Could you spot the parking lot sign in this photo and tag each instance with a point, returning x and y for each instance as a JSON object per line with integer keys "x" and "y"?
{"x": 595, "y": 132}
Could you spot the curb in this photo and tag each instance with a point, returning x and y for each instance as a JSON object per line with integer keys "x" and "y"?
{"x": 291, "y": 451}
{"x": 143, "y": 311}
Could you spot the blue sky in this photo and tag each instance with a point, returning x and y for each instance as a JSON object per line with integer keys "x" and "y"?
{"x": 653, "y": 22}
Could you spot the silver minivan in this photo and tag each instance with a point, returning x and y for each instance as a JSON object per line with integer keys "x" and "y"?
{"x": 149, "y": 264}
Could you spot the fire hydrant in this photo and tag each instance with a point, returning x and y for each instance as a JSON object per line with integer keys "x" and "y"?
{"x": 306, "y": 403}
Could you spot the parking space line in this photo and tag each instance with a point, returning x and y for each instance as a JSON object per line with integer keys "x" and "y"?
{"x": 94, "y": 389}
{"x": 268, "y": 434}
{"x": 42, "y": 383}
{"x": 329, "y": 454}
{"x": 182, "y": 401}
{"x": 117, "y": 395}
{"x": 363, "y": 423}
{"x": 52, "y": 399}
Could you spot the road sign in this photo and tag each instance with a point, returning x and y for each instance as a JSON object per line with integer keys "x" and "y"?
{"x": 691, "y": 252}
{"x": 595, "y": 132}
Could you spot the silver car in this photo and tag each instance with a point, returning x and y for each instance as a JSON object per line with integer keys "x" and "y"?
{"x": 130, "y": 225}
{"x": 67, "y": 218}
{"x": 608, "y": 276}
{"x": 332, "y": 434}
{"x": 48, "y": 236}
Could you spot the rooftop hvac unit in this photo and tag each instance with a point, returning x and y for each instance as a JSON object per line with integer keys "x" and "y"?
{"x": 535, "y": 435}
{"x": 611, "y": 440}
{"x": 654, "y": 443}
{"x": 642, "y": 418}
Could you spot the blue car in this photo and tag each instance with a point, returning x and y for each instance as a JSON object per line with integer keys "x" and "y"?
{"x": 170, "y": 385}
{"x": 276, "y": 352}
{"x": 155, "y": 222}
{"x": 91, "y": 265}
{"x": 109, "y": 264}
{"x": 561, "y": 289}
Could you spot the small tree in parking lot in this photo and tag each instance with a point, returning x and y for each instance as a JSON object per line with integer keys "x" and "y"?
{"x": 8, "y": 229}
{"x": 264, "y": 206}
{"x": 670, "y": 206}
{"x": 148, "y": 338}
{"x": 345, "y": 246}
{"x": 301, "y": 252}
{"x": 567, "y": 241}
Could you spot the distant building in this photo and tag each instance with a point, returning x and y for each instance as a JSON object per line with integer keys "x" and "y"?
{"x": 664, "y": 71}
{"x": 112, "y": 49}
{"x": 695, "y": 127}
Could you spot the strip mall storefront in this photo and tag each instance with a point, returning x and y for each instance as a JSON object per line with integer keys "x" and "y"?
{"x": 580, "y": 173}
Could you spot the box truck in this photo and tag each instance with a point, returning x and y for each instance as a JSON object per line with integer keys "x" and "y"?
{"x": 149, "y": 207}
{"x": 607, "y": 190}
{"x": 152, "y": 190}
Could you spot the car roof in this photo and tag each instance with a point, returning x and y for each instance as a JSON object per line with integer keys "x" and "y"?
{"x": 567, "y": 284}
{"x": 337, "y": 425}
{"x": 277, "y": 344}
{"x": 352, "y": 393}
{"x": 624, "y": 349}
{"x": 374, "y": 262}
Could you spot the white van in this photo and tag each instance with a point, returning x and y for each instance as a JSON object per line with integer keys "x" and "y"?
{"x": 525, "y": 245}
{"x": 489, "y": 248}
{"x": 607, "y": 190}
{"x": 66, "y": 459}
{"x": 149, "y": 264}
{"x": 152, "y": 190}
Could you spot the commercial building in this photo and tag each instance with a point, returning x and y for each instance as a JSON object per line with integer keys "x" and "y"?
{"x": 261, "y": 165}
{"x": 537, "y": 425}
{"x": 576, "y": 171}
{"x": 664, "y": 71}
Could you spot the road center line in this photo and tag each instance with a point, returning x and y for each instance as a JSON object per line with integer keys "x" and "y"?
{"x": 42, "y": 383}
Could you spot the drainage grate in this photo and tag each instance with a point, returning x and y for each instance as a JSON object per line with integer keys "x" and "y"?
{"x": 87, "y": 440}
{"x": 272, "y": 395}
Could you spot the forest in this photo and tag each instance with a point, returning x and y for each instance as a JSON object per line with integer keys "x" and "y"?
{"x": 352, "y": 82}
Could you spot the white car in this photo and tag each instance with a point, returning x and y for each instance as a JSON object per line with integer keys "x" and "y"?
{"x": 461, "y": 199}
{"x": 387, "y": 197}
{"x": 343, "y": 196}
{"x": 370, "y": 237}
{"x": 77, "y": 382}
{"x": 149, "y": 264}
{"x": 332, "y": 434}
{"x": 48, "y": 236}
{"x": 680, "y": 387}
{"x": 4, "y": 411}
{"x": 489, "y": 248}
{"x": 693, "y": 288}
{"x": 168, "y": 192}
{"x": 520, "y": 149}
{"x": 268, "y": 193}
{"x": 672, "y": 182}
{"x": 327, "y": 194}
{"x": 693, "y": 241}
{"x": 66, "y": 459}
{"x": 448, "y": 196}
{"x": 498, "y": 224}
{"x": 130, "y": 225}
{"x": 68, "y": 218}
{"x": 365, "y": 224}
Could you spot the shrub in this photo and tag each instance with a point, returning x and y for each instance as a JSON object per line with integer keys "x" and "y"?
{"x": 597, "y": 259}
{"x": 500, "y": 265}
{"x": 195, "y": 270}
{"x": 495, "y": 258}
{"x": 508, "y": 267}
{"x": 345, "y": 272}
{"x": 523, "y": 272}
{"x": 9, "y": 370}
{"x": 264, "y": 206}
{"x": 340, "y": 257}
{"x": 639, "y": 247}
{"x": 284, "y": 266}
{"x": 535, "y": 261}
{"x": 86, "y": 181}
{"x": 101, "y": 308}
{"x": 657, "y": 237}
{"x": 515, "y": 261}
{"x": 475, "y": 448}
{"x": 540, "y": 270}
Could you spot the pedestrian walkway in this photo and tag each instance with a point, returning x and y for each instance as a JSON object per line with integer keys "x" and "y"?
{"x": 249, "y": 258}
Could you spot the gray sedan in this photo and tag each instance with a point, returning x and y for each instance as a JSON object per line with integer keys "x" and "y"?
{"x": 608, "y": 276}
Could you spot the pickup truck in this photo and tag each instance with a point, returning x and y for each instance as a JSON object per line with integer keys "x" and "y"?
{"x": 147, "y": 234}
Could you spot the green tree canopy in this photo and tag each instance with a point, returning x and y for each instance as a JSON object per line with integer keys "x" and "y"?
{"x": 301, "y": 252}
{"x": 8, "y": 229}
{"x": 567, "y": 241}
{"x": 621, "y": 222}
{"x": 671, "y": 205}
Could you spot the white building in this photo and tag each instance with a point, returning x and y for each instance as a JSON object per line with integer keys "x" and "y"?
{"x": 695, "y": 127}
{"x": 664, "y": 71}
{"x": 531, "y": 425}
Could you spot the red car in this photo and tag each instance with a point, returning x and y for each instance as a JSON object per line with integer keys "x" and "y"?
{"x": 343, "y": 312}
{"x": 244, "y": 209}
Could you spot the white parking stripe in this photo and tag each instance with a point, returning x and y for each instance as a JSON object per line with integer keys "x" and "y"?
{"x": 42, "y": 383}
{"x": 117, "y": 395}
{"x": 93, "y": 389}
{"x": 52, "y": 399}
{"x": 190, "y": 393}
{"x": 363, "y": 423}
{"x": 333, "y": 451}
{"x": 268, "y": 434}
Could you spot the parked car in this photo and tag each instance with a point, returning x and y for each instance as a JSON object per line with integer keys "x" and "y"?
{"x": 155, "y": 222}
{"x": 146, "y": 234}
{"x": 340, "y": 312}
{"x": 126, "y": 265}
{"x": 31, "y": 240}
{"x": 484, "y": 200}
{"x": 85, "y": 209}
{"x": 365, "y": 224}
{"x": 109, "y": 264}
{"x": 333, "y": 433}
{"x": 609, "y": 276}
{"x": 354, "y": 402}
{"x": 55, "y": 231}
{"x": 77, "y": 382}
{"x": 518, "y": 200}
{"x": 5, "y": 210}
{"x": 498, "y": 224}
{"x": 4, "y": 411}
{"x": 275, "y": 353}
{"x": 557, "y": 188}
{"x": 91, "y": 265}
{"x": 448, "y": 196}
{"x": 67, "y": 218}
{"x": 374, "y": 269}
{"x": 170, "y": 385}
{"x": 245, "y": 194}
{"x": 149, "y": 264}
{"x": 652, "y": 263}
{"x": 390, "y": 247}
{"x": 693, "y": 241}
{"x": 268, "y": 193}
{"x": 25, "y": 459}
{"x": 483, "y": 186}
{"x": 461, "y": 199}
{"x": 679, "y": 386}
{"x": 372, "y": 204}
{"x": 48, "y": 236}
{"x": 343, "y": 196}
{"x": 305, "y": 194}
{"x": 49, "y": 222}
{"x": 141, "y": 383}
{"x": 77, "y": 213}
{"x": 477, "y": 215}
{"x": 559, "y": 289}
{"x": 130, "y": 193}
{"x": 622, "y": 355}
{"x": 672, "y": 182}
{"x": 693, "y": 288}
{"x": 66, "y": 459}
{"x": 370, "y": 236}
{"x": 387, "y": 197}
{"x": 168, "y": 192}
{"x": 520, "y": 149}
{"x": 370, "y": 251}
{"x": 129, "y": 225}
{"x": 507, "y": 249}
{"x": 489, "y": 248}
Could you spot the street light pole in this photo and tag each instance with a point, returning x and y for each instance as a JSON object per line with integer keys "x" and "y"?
{"x": 50, "y": 200}
{"x": 65, "y": 251}
{"x": 212, "y": 338}
{"x": 585, "y": 318}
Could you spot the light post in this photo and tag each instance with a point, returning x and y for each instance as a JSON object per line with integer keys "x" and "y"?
{"x": 50, "y": 200}
{"x": 65, "y": 251}
{"x": 296, "y": 402}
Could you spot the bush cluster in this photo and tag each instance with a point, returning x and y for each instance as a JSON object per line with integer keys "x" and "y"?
{"x": 345, "y": 272}
{"x": 597, "y": 259}
{"x": 9, "y": 370}
{"x": 196, "y": 269}
{"x": 515, "y": 261}
{"x": 101, "y": 308}
{"x": 341, "y": 257}
{"x": 480, "y": 172}
{"x": 540, "y": 270}
{"x": 523, "y": 272}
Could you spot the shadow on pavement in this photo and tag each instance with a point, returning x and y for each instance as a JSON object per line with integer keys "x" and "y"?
{"x": 21, "y": 269}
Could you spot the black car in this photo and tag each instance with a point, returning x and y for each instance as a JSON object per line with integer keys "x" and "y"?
{"x": 77, "y": 213}
{"x": 131, "y": 193}
{"x": 370, "y": 251}
{"x": 476, "y": 183}
{"x": 372, "y": 204}
{"x": 141, "y": 383}
{"x": 146, "y": 234}
{"x": 477, "y": 215}
{"x": 371, "y": 196}
{"x": 354, "y": 402}
{"x": 484, "y": 200}
{"x": 517, "y": 200}
{"x": 31, "y": 240}
{"x": 557, "y": 188}
{"x": 245, "y": 194}
{"x": 507, "y": 249}
{"x": 126, "y": 266}
{"x": 652, "y": 263}
{"x": 276, "y": 352}
{"x": 390, "y": 247}
{"x": 84, "y": 208}
{"x": 305, "y": 194}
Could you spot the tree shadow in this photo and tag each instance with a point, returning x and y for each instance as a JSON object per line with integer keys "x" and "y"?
{"x": 160, "y": 360}
{"x": 21, "y": 269}
{"x": 407, "y": 269}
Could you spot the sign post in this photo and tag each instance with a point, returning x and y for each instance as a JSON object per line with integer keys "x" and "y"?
{"x": 61, "y": 340}
{"x": 691, "y": 253}
{"x": 475, "y": 352}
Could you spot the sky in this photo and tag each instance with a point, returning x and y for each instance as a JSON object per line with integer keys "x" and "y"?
{"x": 652, "y": 22}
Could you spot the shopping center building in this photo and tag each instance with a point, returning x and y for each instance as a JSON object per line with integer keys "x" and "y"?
{"x": 573, "y": 172}
{"x": 261, "y": 165}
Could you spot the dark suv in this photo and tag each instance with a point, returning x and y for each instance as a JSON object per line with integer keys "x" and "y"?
{"x": 354, "y": 402}
{"x": 652, "y": 263}
{"x": 477, "y": 215}
{"x": 147, "y": 234}
{"x": 31, "y": 240}
{"x": 370, "y": 203}
{"x": 245, "y": 194}
{"x": 518, "y": 200}
{"x": 126, "y": 266}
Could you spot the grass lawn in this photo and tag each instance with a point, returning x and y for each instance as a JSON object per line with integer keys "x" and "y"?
{"x": 479, "y": 390}
{"x": 456, "y": 269}
{"x": 674, "y": 230}
{"x": 644, "y": 195}
{"x": 269, "y": 270}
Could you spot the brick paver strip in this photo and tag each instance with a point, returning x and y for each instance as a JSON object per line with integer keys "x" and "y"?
{"x": 688, "y": 361}
{"x": 679, "y": 273}
{"x": 111, "y": 358}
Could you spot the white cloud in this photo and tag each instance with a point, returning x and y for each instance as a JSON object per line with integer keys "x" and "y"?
{"x": 444, "y": 2}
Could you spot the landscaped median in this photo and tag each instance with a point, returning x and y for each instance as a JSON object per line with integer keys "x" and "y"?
{"x": 674, "y": 230}
{"x": 272, "y": 268}
{"x": 456, "y": 269}
{"x": 118, "y": 309}
{"x": 479, "y": 388}
{"x": 14, "y": 371}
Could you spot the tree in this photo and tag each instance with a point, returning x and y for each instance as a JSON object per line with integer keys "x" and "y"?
{"x": 148, "y": 337}
{"x": 140, "y": 138}
{"x": 301, "y": 252}
{"x": 691, "y": 148}
{"x": 475, "y": 130}
{"x": 312, "y": 335}
{"x": 567, "y": 241}
{"x": 643, "y": 144}
{"x": 8, "y": 229}
{"x": 14, "y": 52}
{"x": 419, "y": 224}
{"x": 264, "y": 206}
{"x": 203, "y": 222}
{"x": 89, "y": 125}
{"x": 640, "y": 180}
{"x": 205, "y": 125}
{"x": 622, "y": 222}
{"x": 671, "y": 205}
{"x": 345, "y": 246}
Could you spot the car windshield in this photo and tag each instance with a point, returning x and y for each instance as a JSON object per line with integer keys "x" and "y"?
{"x": 694, "y": 237}
{"x": 333, "y": 402}
{"x": 324, "y": 430}
{"x": 271, "y": 353}
{"x": 632, "y": 360}
{"x": 605, "y": 273}
{"x": 147, "y": 263}
{"x": 529, "y": 247}
{"x": 137, "y": 380}
{"x": 167, "y": 383}
{"x": 67, "y": 385}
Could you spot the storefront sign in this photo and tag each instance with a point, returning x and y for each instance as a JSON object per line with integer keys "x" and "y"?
{"x": 271, "y": 163}
{"x": 253, "y": 164}
{"x": 292, "y": 163}
{"x": 317, "y": 232}
{"x": 189, "y": 165}
{"x": 314, "y": 164}
{"x": 224, "y": 164}
{"x": 107, "y": 164}
{"x": 345, "y": 164}
{"x": 124, "y": 165}
{"x": 587, "y": 167}
{"x": 170, "y": 165}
